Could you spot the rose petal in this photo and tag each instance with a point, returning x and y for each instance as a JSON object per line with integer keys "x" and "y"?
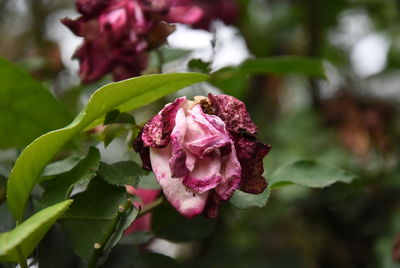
{"x": 233, "y": 112}
{"x": 157, "y": 132}
{"x": 250, "y": 153}
{"x": 201, "y": 136}
{"x": 92, "y": 67}
{"x": 143, "y": 151}
{"x": 185, "y": 201}
{"x": 184, "y": 14}
{"x": 231, "y": 175}
{"x": 178, "y": 159}
{"x": 205, "y": 175}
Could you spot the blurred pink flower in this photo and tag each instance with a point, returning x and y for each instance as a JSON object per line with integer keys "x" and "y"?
{"x": 146, "y": 196}
{"x": 119, "y": 33}
{"x": 202, "y": 151}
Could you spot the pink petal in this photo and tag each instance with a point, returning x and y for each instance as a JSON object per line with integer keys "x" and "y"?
{"x": 231, "y": 175}
{"x": 205, "y": 175}
{"x": 178, "y": 159}
{"x": 185, "y": 201}
{"x": 157, "y": 132}
{"x": 202, "y": 137}
{"x": 184, "y": 14}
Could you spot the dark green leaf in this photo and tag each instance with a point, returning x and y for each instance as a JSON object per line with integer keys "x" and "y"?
{"x": 92, "y": 216}
{"x": 110, "y": 132}
{"x": 121, "y": 173}
{"x": 126, "y": 220}
{"x": 56, "y": 249}
{"x": 61, "y": 166}
{"x": 19, "y": 243}
{"x": 61, "y": 187}
{"x": 198, "y": 65}
{"x": 245, "y": 200}
{"x": 309, "y": 173}
{"x": 116, "y": 117}
{"x": 124, "y": 96}
{"x": 169, "y": 224}
{"x": 27, "y": 109}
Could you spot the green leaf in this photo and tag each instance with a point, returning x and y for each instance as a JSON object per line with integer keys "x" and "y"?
{"x": 61, "y": 166}
{"x": 199, "y": 66}
{"x": 121, "y": 173}
{"x": 19, "y": 243}
{"x": 309, "y": 173}
{"x": 125, "y": 95}
{"x": 116, "y": 117}
{"x": 27, "y": 109}
{"x": 61, "y": 187}
{"x": 170, "y": 225}
{"x": 245, "y": 200}
{"x": 110, "y": 132}
{"x": 92, "y": 217}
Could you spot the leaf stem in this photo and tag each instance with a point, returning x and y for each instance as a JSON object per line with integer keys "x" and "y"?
{"x": 98, "y": 247}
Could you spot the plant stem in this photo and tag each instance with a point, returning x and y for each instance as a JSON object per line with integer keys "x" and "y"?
{"x": 99, "y": 247}
{"x": 160, "y": 62}
{"x": 151, "y": 207}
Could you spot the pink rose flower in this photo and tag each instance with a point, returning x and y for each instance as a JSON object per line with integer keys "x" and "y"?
{"x": 202, "y": 151}
{"x": 146, "y": 196}
{"x": 117, "y": 35}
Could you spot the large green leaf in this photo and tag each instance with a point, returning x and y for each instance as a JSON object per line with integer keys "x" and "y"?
{"x": 92, "y": 217}
{"x": 125, "y": 95}
{"x": 309, "y": 173}
{"x": 19, "y": 243}
{"x": 27, "y": 109}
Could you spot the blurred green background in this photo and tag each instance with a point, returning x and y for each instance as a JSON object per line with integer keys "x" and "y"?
{"x": 351, "y": 120}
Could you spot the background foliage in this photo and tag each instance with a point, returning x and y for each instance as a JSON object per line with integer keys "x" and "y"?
{"x": 322, "y": 86}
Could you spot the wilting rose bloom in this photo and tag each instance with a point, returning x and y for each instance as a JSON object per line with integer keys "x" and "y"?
{"x": 202, "y": 151}
{"x": 146, "y": 196}
{"x": 118, "y": 33}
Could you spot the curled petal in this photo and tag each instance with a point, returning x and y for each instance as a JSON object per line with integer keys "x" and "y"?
{"x": 178, "y": 159}
{"x": 231, "y": 175}
{"x": 250, "y": 153}
{"x": 205, "y": 175}
{"x": 143, "y": 151}
{"x": 202, "y": 136}
{"x": 157, "y": 132}
{"x": 186, "y": 202}
{"x": 233, "y": 112}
